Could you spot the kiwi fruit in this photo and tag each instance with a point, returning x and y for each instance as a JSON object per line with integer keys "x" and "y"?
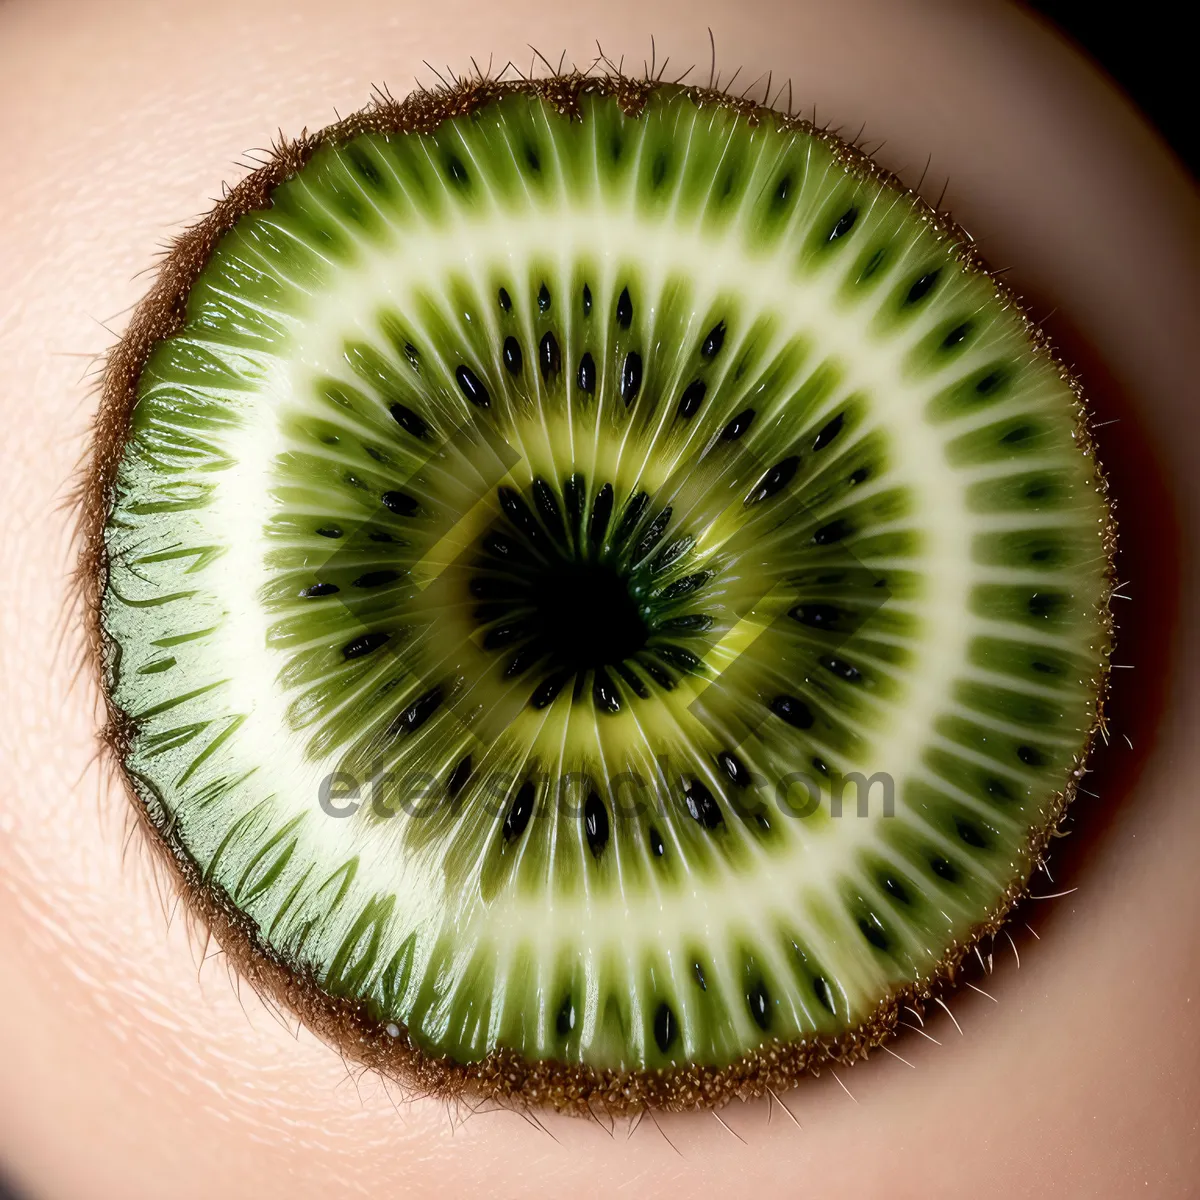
{"x": 601, "y": 596}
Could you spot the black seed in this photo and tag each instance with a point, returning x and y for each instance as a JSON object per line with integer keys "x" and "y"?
{"x": 672, "y": 553}
{"x": 543, "y": 299}
{"x": 660, "y": 676}
{"x": 759, "y": 1004}
{"x": 417, "y": 713}
{"x": 319, "y": 589}
{"x": 690, "y": 623}
{"x": 471, "y": 387}
{"x": 604, "y": 693}
{"x": 456, "y": 170}
{"x": 565, "y": 1021}
{"x": 664, "y": 1027}
{"x": 1044, "y": 604}
{"x": 692, "y": 398}
{"x": 631, "y": 376}
{"x": 546, "y": 691}
{"x": 782, "y": 188}
{"x": 587, "y": 301}
{"x": 835, "y": 531}
{"x": 409, "y": 421}
{"x": 842, "y": 669}
{"x": 970, "y": 833}
{"x": 831, "y": 430}
{"x": 702, "y": 806}
{"x": 656, "y": 843}
{"x": 844, "y": 224}
{"x": 587, "y": 373}
{"x": 991, "y": 381}
{"x": 943, "y": 869}
{"x": 712, "y": 344}
{"x": 699, "y": 970}
{"x": 686, "y": 585}
{"x": 820, "y": 765}
{"x": 370, "y": 579}
{"x": 459, "y": 776}
{"x": 413, "y": 355}
{"x": 631, "y": 515}
{"x": 895, "y": 888}
{"x": 330, "y": 531}
{"x": 1021, "y": 433}
{"x": 363, "y": 644}
{"x": 816, "y": 616}
{"x": 500, "y": 636}
{"x": 997, "y": 788}
{"x": 860, "y": 476}
{"x": 795, "y": 712}
{"x": 624, "y": 309}
{"x": 601, "y": 511}
{"x": 775, "y": 480}
{"x": 922, "y": 287}
{"x": 519, "y": 812}
{"x": 505, "y": 300}
{"x": 354, "y": 481}
{"x": 543, "y": 497}
{"x": 683, "y": 660}
{"x": 595, "y": 824}
{"x": 734, "y": 768}
{"x": 873, "y": 933}
{"x": 1029, "y": 756}
{"x": 631, "y": 678}
{"x": 653, "y": 534}
{"x": 518, "y": 513}
{"x": 513, "y": 359}
{"x": 822, "y": 993}
{"x": 956, "y": 335}
{"x": 549, "y": 357}
{"x": 531, "y": 157}
{"x": 1044, "y": 668}
{"x": 573, "y": 495}
{"x": 737, "y": 426}
{"x": 401, "y": 503}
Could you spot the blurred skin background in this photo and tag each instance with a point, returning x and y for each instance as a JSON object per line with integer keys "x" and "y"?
{"x": 1140, "y": 47}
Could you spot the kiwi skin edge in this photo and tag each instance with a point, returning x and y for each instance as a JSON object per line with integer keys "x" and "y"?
{"x": 503, "y": 1077}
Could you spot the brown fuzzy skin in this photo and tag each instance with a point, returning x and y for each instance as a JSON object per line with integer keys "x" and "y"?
{"x": 502, "y": 1076}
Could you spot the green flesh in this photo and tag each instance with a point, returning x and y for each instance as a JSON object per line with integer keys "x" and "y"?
{"x": 664, "y": 463}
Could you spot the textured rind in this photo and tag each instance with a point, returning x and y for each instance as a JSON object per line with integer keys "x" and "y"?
{"x": 501, "y": 1076}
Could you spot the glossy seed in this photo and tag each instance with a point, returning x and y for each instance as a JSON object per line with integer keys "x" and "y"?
{"x": 759, "y": 1004}
{"x": 409, "y": 421}
{"x": 543, "y": 299}
{"x": 631, "y": 377}
{"x": 873, "y": 933}
{"x": 630, "y": 676}
{"x": 586, "y": 379}
{"x": 956, "y": 335}
{"x": 664, "y": 1027}
{"x": 860, "y": 476}
{"x": 896, "y": 889}
{"x": 699, "y": 972}
{"x": 565, "y": 1021}
{"x": 547, "y": 506}
{"x": 702, "y": 806}
{"x": 601, "y": 512}
{"x": 659, "y": 674}
{"x": 653, "y": 534}
{"x": 363, "y": 644}
{"x": 546, "y": 691}
{"x": 734, "y": 768}
{"x": 816, "y": 615}
{"x": 523, "y": 660}
{"x": 835, "y": 531}
{"x": 1029, "y": 756}
{"x": 505, "y": 300}
{"x": 688, "y": 584}
{"x": 689, "y": 623}
{"x": 821, "y": 991}
{"x": 775, "y": 480}
{"x": 573, "y": 492}
{"x": 370, "y": 579}
{"x": 517, "y": 511}
{"x": 943, "y": 870}
{"x": 417, "y": 713}
{"x": 737, "y": 426}
{"x": 842, "y": 669}
{"x": 672, "y": 553}
{"x": 318, "y": 589}
{"x": 471, "y": 386}
{"x": 604, "y": 693}
{"x": 714, "y": 340}
{"x": 829, "y": 432}
{"x": 683, "y": 660}
{"x": 587, "y": 301}
{"x": 624, "y": 309}
{"x": 922, "y": 287}
{"x": 330, "y": 531}
{"x": 519, "y": 812}
{"x": 844, "y": 224}
{"x": 692, "y": 398}
{"x": 459, "y": 776}
{"x": 513, "y": 359}
{"x": 549, "y": 357}
{"x": 595, "y": 824}
{"x": 794, "y": 711}
{"x": 631, "y": 515}
{"x": 656, "y": 843}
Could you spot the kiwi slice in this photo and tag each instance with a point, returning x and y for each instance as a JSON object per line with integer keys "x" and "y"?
{"x": 599, "y": 592}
